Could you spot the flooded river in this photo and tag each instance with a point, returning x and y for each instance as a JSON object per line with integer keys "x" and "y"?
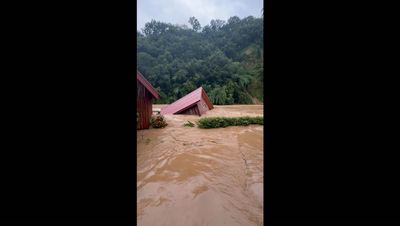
{"x": 191, "y": 176}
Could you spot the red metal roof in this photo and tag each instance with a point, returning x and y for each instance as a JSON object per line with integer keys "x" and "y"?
{"x": 147, "y": 84}
{"x": 187, "y": 101}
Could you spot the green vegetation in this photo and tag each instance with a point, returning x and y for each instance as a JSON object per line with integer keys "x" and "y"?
{"x": 189, "y": 124}
{"x": 217, "y": 122}
{"x": 158, "y": 121}
{"x": 225, "y": 57}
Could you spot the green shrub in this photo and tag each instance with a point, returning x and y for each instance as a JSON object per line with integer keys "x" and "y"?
{"x": 217, "y": 122}
{"x": 158, "y": 121}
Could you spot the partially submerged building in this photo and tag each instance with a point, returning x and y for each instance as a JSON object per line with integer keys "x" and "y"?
{"x": 144, "y": 100}
{"x": 195, "y": 103}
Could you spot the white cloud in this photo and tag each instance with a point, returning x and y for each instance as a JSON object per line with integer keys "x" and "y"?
{"x": 179, "y": 11}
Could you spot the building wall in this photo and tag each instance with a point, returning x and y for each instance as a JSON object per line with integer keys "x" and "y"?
{"x": 202, "y": 106}
{"x": 144, "y": 104}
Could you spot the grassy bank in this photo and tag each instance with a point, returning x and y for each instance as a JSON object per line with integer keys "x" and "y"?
{"x": 218, "y": 122}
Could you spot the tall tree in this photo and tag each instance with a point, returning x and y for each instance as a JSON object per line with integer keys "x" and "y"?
{"x": 195, "y": 23}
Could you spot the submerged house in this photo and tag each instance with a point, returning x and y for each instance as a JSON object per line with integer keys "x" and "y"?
{"x": 195, "y": 103}
{"x": 144, "y": 100}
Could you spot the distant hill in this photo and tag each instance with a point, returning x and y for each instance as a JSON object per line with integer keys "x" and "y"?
{"x": 223, "y": 57}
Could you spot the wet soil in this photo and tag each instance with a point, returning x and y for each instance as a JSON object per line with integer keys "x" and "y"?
{"x": 192, "y": 176}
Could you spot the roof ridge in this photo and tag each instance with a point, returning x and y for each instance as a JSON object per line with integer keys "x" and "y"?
{"x": 187, "y": 100}
{"x": 147, "y": 84}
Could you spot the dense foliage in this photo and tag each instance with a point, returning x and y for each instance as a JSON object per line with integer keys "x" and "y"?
{"x": 223, "y": 57}
{"x": 158, "y": 121}
{"x": 217, "y": 122}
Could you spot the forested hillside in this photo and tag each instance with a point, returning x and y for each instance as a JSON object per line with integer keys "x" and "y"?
{"x": 225, "y": 57}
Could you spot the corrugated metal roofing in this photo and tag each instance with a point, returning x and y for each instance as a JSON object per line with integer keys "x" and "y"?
{"x": 147, "y": 84}
{"x": 187, "y": 102}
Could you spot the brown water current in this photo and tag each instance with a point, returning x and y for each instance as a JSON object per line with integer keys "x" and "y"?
{"x": 191, "y": 176}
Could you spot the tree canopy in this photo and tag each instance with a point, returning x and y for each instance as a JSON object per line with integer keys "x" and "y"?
{"x": 223, "y": 57}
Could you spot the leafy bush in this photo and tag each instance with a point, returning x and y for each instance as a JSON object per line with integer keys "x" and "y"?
{"x": 189, "y": 124}
{"x": 217, "y": 122}
{"x": 158, "y": 121}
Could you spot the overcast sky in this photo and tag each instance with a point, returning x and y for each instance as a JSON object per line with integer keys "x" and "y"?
{"x": 179, "y": 11}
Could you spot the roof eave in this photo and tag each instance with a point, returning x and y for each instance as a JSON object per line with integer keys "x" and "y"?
{"x": 147, "y": 84}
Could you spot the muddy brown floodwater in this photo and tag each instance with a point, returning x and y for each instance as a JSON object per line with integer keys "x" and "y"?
{"x": 191, "y": 176}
